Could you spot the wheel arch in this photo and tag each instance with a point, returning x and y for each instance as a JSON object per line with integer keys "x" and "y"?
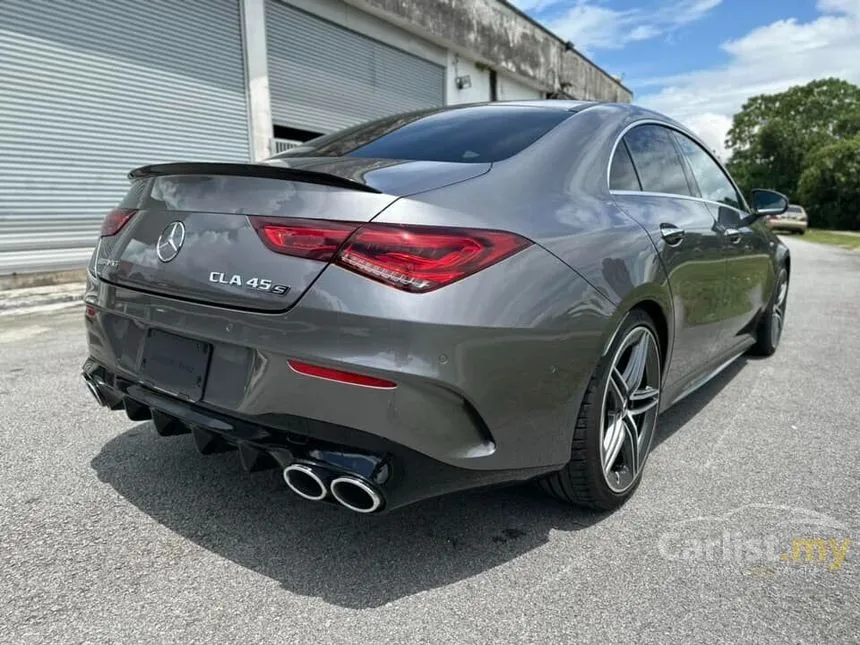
{"x": 661, "y": 322}
{"x": 656, "y": 302}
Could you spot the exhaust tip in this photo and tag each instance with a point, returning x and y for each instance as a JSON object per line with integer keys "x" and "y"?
{"x": 94, "y": 390}
{"x": 356, "y": 495}
{"x": 304, "y": 482}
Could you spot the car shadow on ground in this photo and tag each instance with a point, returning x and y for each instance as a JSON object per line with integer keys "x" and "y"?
{"x": 319, "y": 550}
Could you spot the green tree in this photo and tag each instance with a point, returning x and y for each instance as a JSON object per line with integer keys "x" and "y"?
{"x": 772, "y": 136}
{"x": 848, "y": 125}
{"x": 830, "y": 185}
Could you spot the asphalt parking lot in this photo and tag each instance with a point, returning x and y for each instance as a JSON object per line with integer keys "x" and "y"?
{"x": 744, "y": 529}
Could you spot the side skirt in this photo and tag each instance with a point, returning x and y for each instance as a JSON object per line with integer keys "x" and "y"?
{"x": 721, "y": 362}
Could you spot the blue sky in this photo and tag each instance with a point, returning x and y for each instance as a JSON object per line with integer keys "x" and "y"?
{"x": 699, "y": 60}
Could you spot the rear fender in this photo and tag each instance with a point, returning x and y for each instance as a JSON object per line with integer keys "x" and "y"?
{"x": 656, "y": 300}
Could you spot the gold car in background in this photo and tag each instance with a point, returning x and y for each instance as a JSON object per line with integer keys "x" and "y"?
{"x": 793, "y": 220}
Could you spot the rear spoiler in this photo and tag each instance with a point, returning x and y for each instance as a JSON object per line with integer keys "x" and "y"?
{"x": 248, "y": 170}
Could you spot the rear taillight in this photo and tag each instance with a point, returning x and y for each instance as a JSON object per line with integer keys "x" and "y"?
{"x": 115, "y": 220}
{"x": 312, "y": 239}
{"x": 412, "y": 258}
{"x": 420, "y": 259}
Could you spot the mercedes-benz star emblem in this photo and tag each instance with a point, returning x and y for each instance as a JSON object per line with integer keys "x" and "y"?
{"x": 170, "y": 241}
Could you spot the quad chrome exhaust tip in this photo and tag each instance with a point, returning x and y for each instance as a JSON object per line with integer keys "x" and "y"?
{"x": 93, "y": 387}
{"x": 355, "y": 494}
{"x": 350, "y": 491}
{"x": 305, "y": 482}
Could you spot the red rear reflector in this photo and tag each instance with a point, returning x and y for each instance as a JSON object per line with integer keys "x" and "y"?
{"x": 312, "y": 239}
{"x": 339, "y": 375}
{"x": 115, "y": 220}
{"x": 423, "y": 258}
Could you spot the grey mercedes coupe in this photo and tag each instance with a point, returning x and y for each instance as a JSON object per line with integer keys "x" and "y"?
{"x": 436, "y": 301}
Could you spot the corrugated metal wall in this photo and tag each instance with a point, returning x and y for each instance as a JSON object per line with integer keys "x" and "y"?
{"x": 90, "y": 89}
{"x": 323, "y": 77}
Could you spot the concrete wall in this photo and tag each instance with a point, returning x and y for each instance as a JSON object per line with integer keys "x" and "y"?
{"x": 257, "y": 73}
{"x": 468, "y": 37}
{"x": 372, "y": 26}
{"x": 495, "y": 34}
{"x": 479, "y": 76}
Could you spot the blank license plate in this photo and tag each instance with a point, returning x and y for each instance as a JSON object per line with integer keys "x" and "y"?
{"x": 174, "y": 364}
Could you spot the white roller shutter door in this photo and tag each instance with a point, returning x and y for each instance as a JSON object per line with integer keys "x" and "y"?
{"x": 90, "y": 89}
{"x": 323, "y": 77}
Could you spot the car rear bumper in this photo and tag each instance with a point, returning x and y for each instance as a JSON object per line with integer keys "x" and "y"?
{"x": 399, "y": 475}
{"x": 489, "y": 377}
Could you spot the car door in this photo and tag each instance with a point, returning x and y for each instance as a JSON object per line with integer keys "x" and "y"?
{"x": 746, "y": 288}
{"x": 657, "y": 191}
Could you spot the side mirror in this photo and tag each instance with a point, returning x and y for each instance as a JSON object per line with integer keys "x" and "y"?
{"x": 768, "y": 202}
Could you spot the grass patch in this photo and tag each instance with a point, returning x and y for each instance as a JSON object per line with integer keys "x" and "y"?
{"x": 833, "y": 237}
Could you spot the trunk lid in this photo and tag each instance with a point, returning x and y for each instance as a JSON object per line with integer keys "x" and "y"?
{"x": 191, "y": 237}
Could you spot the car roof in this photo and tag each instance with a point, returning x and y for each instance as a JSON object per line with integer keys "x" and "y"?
{"x": 567, "y": 105}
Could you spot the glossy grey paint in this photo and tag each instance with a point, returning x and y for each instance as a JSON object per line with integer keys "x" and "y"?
{"x": 695, "y": 270}
{"x": 219, "y": 241}
{"x": 517, "y": 342}
{"x": 519, "y": 356}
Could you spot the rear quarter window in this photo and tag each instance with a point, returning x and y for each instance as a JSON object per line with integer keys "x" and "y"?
{"x": 622, "y": 174}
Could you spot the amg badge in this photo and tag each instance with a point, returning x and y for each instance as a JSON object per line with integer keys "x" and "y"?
{"x": 260, "y": 284}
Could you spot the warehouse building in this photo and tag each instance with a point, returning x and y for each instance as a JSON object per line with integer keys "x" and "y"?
{"x": 90, "y": 89}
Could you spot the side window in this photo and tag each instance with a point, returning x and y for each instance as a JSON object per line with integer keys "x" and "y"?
{"x": 713, "y": 183}
{"x": 622, "y": 174}
{"x": 657, "y": 161}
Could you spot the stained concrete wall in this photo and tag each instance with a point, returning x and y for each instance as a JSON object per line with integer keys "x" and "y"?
{"x": 494, "y": 33}
{"x": 477, "y": 92}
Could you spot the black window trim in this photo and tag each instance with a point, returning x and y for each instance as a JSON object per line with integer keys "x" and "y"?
{"x": 619, "y": 138}
{"x": 692, "y": 182}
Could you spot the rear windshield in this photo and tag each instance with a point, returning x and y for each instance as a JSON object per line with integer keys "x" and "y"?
{"x": 476, "y": 134}
{"x": 795, "y": 209}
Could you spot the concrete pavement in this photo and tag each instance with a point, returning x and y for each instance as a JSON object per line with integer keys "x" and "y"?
{"x": 111, "y": 534}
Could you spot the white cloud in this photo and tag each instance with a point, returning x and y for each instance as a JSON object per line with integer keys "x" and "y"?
{"x": 712, "y": 129}
{"x": 768, "y": 59}
{"x": 592, "y": 26}
{"x": 644, "y": 32}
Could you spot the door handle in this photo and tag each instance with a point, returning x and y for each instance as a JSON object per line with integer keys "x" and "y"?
{"x": 673, "y": 235}
{"x": 733, "y": 234}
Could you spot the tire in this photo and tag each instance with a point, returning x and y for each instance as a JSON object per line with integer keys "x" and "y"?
{"x": 769, "y": 331}
{"x": 584, "y": 481}
{"x": 802, "y": 231}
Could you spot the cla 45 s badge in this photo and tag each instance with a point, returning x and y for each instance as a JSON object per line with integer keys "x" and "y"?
{"x": 260, "y": 284}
